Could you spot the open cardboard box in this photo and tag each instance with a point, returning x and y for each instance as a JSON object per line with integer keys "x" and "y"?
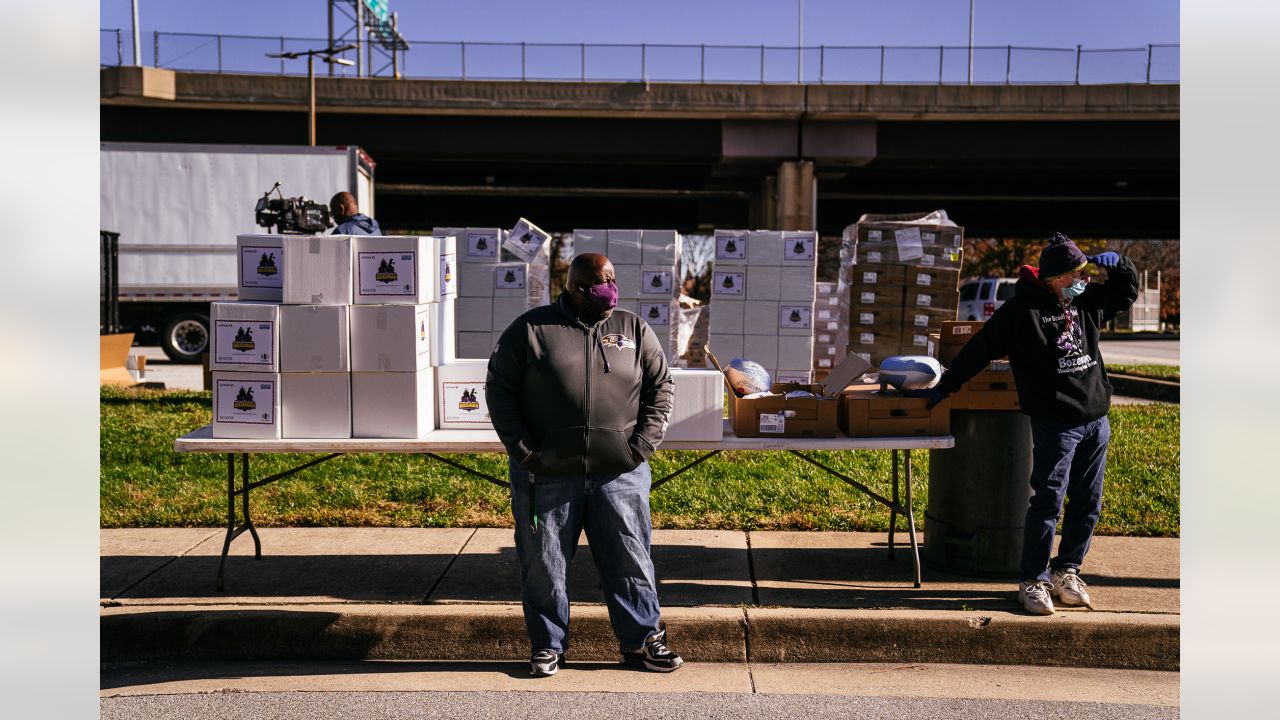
{"x": 781, "y": 416}
{"x": 867, "y": 411}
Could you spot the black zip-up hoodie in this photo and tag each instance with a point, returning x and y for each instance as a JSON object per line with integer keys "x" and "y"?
{"x": 568, "y": 398}
{"x": 1052, "y": 349}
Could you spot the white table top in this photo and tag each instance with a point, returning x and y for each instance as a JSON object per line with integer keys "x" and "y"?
{"x": 477, "y": 441}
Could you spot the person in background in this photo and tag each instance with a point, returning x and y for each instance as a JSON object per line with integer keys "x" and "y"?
{"x": 1049, "y": 331}
{"x": 346, "y": 213}
{"x": 580, "y": 394}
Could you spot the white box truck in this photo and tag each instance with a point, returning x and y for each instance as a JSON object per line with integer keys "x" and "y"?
{"x": 178, "y": 209}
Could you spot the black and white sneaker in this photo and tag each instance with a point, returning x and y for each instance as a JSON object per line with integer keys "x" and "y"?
{"x": 655, "y": 655}
{"x": 545, "y": 663}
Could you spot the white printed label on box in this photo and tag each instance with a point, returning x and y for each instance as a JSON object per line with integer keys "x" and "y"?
{"x": 873, "y": 236}
{"x": 797, "y": 379}
{"x": 731, "y": 247}
{"x": 247, "y": 342}
{"x": 873, "y": 257}
{"x": 929, "y": 237}
{"x": 866, "y": 318}
{"x": 798, "y": 317}
{"x": 867, "y": 298}
{"x": 825, "y": 314}
{"x": 924, "y": 279}
{"x": 956, "y": 241}
{"x": 833, "y": 301}
{"x": 866, "y": 338}
{"x": 508, "y": 278}
{"x": 924, "y": 300}
{"x": 387, "y": 273}
{"x": 729, "y": 283}
{"x": 824, "y": 362}
{"x": 833, "y": 325}
{"x": 908, "y": 241}
{"x": 250, "y": 403}
{"x": 921, "y": 321}
{"x": 831, "y": 351}
{"x": 797, "y": 247}
{"x": 655, "y": 282}
{"x": 448, "y": 278}
{"x": 868, "y": 278}
{"x": 920, "y": 340}
{"x": 482, "y": 245}
{"x": 259, "y": 267}
{"x": 864, "y": 356}
{"x": 465, "y": 403}
{"x": 822, "y": 338}
{"x": 772, "y": 423}
{"x": 423, "y": 341}
{"x": 656, "y": 313}
{"x": 927, "y": 260}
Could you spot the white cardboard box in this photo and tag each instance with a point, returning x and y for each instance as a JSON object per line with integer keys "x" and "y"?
{"x": 476, "y": 345}
{"x": 657, "y": 314}
{"x": 510, "y": 280}
{"x": 259, "y": 265}
{"x": 796, "y": 319}
{"x": 657, "y": 281}
{"x": 505, "y": 311}
{"x": 697, "y": 411}
{"x": 660, "y": 247}
{"x": 314, "y": 338}
{"x": 627, "y": 278}
{"x": 315, "y": 405}
{"x": 391, "y": 338}
{"x": 731, "y": 247}
{"x": 445, "y": 249}
{"x": 444, "y": 345}
{"x": 591, "y": 241}
{"x": 764, "y": 248}
{"x": 760, "y": 317}
{"x": 482, "y": 246}
{"x": 624, "y": 247}
{"x": 761, "y": 348}
{"x": 393, "y": 404}
{"x": 795, "y": 352}
{"x": 730, "y": 282}
{"x": 800, "y": 247}
{"x": 725, "y": 346}
{"x": 317, "y": 270}
{"x": 764, "y": 282}
{"x": 798, "y": 282}
{"x": 246, "y": 336}
{"x": 460, "y": 389}
{"x": 395, "y": 269}
{"x": 726, "y": 317}
{"x": 525, "y": 240}
{"x": 246, "y": 405}
{"x": 475, "y": 280}
{"x": 474, "y": 314}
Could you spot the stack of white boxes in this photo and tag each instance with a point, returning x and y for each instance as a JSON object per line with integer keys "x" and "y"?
{"x": 829, "y": 341}
{"x": 646, "y": 264}
{"x": 762, "y": 300}
{"x": 340, "y": 333}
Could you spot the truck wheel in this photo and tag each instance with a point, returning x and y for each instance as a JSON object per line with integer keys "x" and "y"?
{"x": 186, "y": 337}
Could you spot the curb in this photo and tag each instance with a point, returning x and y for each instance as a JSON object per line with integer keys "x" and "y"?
{"x": 1145, "y": 388}
{"x": 705, "y": 634}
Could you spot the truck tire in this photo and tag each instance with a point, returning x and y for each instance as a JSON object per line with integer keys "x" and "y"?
{"x": 186, "y": 337}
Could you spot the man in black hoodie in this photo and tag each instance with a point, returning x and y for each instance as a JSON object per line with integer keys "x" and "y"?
{"x": 1049, "y": 331}
{"x": 580, "y": 395}
{"x": 349, "y": 219}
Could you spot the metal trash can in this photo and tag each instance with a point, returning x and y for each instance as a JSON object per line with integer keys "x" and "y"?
{"x": 978, "y": 493}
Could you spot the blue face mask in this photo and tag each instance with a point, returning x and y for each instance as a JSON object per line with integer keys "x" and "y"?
{"x": 1074, "y": 289}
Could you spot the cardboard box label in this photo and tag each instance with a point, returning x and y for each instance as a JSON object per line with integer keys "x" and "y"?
{"x": 864, "y": 356}
{"x": 824, "y": 363}
{"x": 246, "y": 342}
{"x": 772, "y": 423}
{"x": 908, "y": 240}
{"x": 920, "y": 321}
{"x": 525, "y": 240}
{"x": 825, "y": 314}
{"x": 797, "y": 247}
{"x": 247, "y": 403}
{"x": 924, "y": 300}
{"x": 656, "y": 282}
{"x": 867, "y": 338}
{"x": 509, "y": 278}
{"x": 869, "y": 278}
{"x": 920, "y": 340}
{"x": 387, "y": 273}
{"x": 798, "y": 379}
{"x": 260, "y": 266}
{"x": 928, "y": 237}
{"x": 482, "y": 244}
{"x": 656, "y": 313}
{"x": 833, "y": 325}
{"x": 822, "y": 338}
{"x": 874, "y": 236}
{"x": 731, "y": 246}
{"x": 924, "y": 279}
{"x": 873, "y": 257}
{"x": 798, "y": 317}
{"x": 866, "y": 318}
{"x": 867, "y": 298}
{"x": 464, "y": 402}
{"x": 927, "y": 260}
{"x": 448, "y": 278}
{"x": 729, "y": 283}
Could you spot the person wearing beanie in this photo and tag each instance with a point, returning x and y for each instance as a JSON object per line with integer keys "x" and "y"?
{"x": 1049, "y": 331}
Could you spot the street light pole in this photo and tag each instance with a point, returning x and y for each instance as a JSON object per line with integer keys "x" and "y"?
{"x": 971, "y": 41}
{"x": 800, "y": 43}
{"x": 137, "y": 42}
{"x": 327, "y": 55}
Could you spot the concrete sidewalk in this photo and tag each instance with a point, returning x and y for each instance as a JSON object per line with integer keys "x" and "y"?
{"x": 453, "y": 594}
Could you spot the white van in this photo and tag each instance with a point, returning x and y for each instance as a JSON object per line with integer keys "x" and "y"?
{"x": 979, "y": 298}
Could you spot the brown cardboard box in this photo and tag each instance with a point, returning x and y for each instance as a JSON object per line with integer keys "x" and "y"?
{"x": 936, "y": 278}
{"x": 781, "y": 416}
{"x": 868, "y": 412}
{"x": 113, "y": 353}
{"x": 917, "y": 298}
{"x": 883, "y": 296}
{"x": 867, "y": 316}
{"x": 991, "y": 389}
{"x": 953, "y": 336}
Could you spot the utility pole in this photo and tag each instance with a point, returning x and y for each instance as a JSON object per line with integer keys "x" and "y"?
{"x": 800, "y": 42}
{"x": 137, "y": 41}
{"x": 971, "y": 41}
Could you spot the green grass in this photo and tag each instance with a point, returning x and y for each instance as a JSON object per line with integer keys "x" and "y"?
{"x": 1159, "y": 372}
{"x": 144, "y": 483}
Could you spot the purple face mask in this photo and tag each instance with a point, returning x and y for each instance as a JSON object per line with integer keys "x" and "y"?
{"x": 604, "y": 296}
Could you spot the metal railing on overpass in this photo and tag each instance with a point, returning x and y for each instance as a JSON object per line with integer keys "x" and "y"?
{"x": 587, "y": 62}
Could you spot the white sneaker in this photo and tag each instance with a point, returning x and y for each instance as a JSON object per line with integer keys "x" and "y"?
{"x": 1034, "y": 596}
{"x": 1069, "y": 588}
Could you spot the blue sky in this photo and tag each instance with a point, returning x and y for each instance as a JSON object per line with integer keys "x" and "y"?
{"x": 1049, "y": 23}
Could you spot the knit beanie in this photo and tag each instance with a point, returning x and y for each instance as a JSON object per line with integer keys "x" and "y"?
{"x": 1060, "y": 257}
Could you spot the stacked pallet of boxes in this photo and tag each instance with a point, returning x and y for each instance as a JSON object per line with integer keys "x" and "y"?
{"x": 645, "y": 263}
{"x": 333, "y": 338}
{"x": 829, "y": 341}
{"x": 762, "y": 300}
{"x": 902, "y": 273}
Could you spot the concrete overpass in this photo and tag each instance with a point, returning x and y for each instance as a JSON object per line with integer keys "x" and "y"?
{"x": 1020, "y": 160}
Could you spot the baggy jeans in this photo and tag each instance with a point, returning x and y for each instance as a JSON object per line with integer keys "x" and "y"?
{"x": 1067, "y": 462}
{"x": 614, "y": 511}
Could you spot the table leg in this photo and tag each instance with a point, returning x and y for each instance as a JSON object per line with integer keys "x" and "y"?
{"x": 893, "y": 509}
{"x": 231, "y": 514}
{"x": 911, "y": 516}
{"x": 244, "y": 475}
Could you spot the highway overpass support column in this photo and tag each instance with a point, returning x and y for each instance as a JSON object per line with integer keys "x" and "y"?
{"x": 796, "y": 193}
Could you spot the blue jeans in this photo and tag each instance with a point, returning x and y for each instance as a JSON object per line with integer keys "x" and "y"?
{"x": 614, "y": 511}
{"x": 1067, "y": 462}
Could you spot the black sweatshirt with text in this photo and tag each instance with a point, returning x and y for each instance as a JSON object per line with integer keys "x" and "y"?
{"x": 1052, "y": 348}
{"x": 570, "y": 398}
